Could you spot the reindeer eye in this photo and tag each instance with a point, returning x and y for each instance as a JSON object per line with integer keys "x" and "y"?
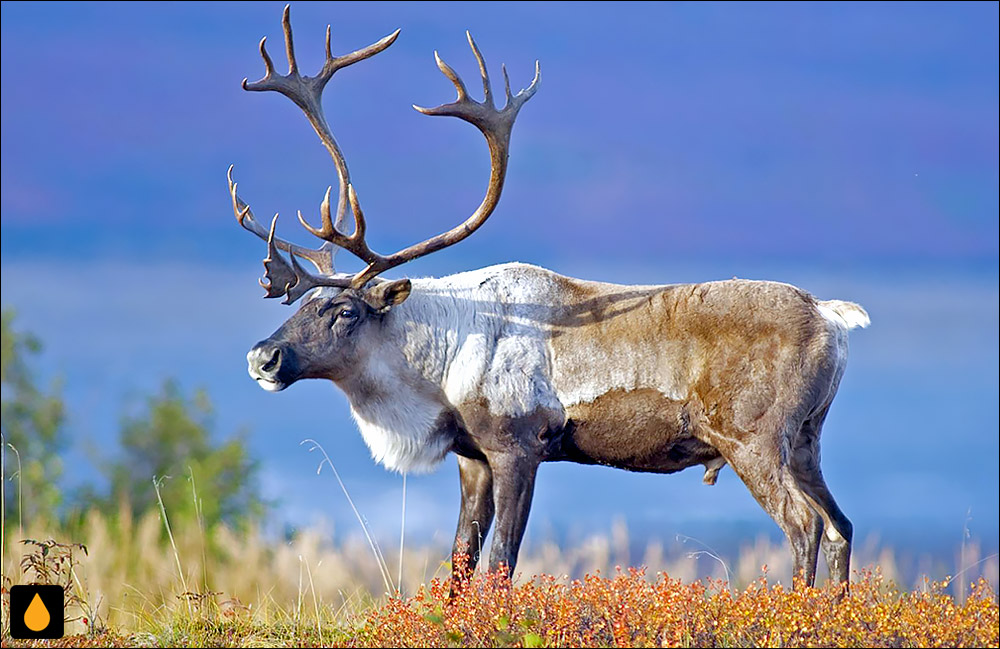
{"x": 347, "y": 314}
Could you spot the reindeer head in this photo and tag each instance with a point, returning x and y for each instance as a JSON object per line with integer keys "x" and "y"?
{"x": 328, "y": 337}
{"x": 332, "y": 331}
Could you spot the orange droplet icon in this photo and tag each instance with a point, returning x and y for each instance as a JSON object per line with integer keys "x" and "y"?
{"x": 36, "y": 617}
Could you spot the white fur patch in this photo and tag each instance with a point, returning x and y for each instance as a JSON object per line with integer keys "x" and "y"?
{"x": 496, "y": 328}
{"x": 468, "y": 367}
{"x": 847, "y": 314}
{"x": 396, "y": 421}
{"x": 595, "y": 371}
{"x": 517, "y": 381}
{"x": 399, "y": 439}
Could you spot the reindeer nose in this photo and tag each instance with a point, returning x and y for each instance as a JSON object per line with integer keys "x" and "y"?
{"x": 264, "y": 360}
{"x": 272, "y": 362}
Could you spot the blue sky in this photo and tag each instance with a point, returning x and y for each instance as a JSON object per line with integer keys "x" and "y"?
{"x": 851, "y": 149}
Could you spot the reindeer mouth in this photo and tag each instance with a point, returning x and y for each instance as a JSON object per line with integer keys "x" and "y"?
{"x": 268, "y": 384}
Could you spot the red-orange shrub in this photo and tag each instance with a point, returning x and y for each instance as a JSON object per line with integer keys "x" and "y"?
{"x": 629, "y": 610}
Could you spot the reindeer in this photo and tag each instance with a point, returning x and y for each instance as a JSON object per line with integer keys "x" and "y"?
{"x": 514, "y": 365}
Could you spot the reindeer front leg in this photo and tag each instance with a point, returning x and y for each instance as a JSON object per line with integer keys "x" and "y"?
{"x": 513, "y": 448}
{"x": 475, "y": 516}
{"x": 513, "y": 485}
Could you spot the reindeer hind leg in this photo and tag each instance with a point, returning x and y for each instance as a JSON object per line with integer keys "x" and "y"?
{"x": 838, "y": 530}
{"x": 762, "y": 466}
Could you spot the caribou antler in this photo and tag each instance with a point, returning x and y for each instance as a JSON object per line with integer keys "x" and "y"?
{"x": 321, "y": 257}
{"x": 496, "y": 126}
{"x": 282, "y": 278}
{"x": 292, "y": 280}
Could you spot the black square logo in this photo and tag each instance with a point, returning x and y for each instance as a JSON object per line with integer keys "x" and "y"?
{"x": 36, "y": 612}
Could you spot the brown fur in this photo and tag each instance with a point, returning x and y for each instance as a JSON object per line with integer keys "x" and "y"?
{"x": 752, "y": 365}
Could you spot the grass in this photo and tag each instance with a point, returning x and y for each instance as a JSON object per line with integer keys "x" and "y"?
{"x": 196, "y": 587}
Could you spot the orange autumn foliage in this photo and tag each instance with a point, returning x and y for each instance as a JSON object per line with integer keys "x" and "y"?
{"x": 629, "y": 610}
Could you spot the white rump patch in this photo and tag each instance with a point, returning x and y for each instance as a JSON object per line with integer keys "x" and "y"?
{"x": 847, "y": 314}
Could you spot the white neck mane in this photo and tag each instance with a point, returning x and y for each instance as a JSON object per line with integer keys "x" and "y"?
{"x": 455, "y": 339}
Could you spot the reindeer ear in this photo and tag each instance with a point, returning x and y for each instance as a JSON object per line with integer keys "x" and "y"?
{"x": 386, "y": 295}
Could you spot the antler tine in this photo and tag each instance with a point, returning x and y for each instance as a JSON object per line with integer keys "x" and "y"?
{"x": 268, "y": 63}
{"x": 327, "y": 229}
{"x": 360, "y": 227}
{"x": 334, "y": 63}
{"x": 306, "y": 91}
{"x": 286, "y": 27}
{"x": 332, "y": 233}
{"x": 487, "y": 89}
{"x": 279, "y": 275}
{"x": 483, "y": 115}
{"x": 453, "y": 77}
{"x": 321, "y": 258}
{"x": 524, "y": 95}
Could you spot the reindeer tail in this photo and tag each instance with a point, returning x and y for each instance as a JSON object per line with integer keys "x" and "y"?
{"x": 847, "y": 313}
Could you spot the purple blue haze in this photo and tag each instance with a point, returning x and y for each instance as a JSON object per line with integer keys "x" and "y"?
{"x": 851, "y": 149}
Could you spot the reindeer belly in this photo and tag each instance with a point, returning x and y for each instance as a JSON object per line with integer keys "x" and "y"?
{"x": 638, "y": 430}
